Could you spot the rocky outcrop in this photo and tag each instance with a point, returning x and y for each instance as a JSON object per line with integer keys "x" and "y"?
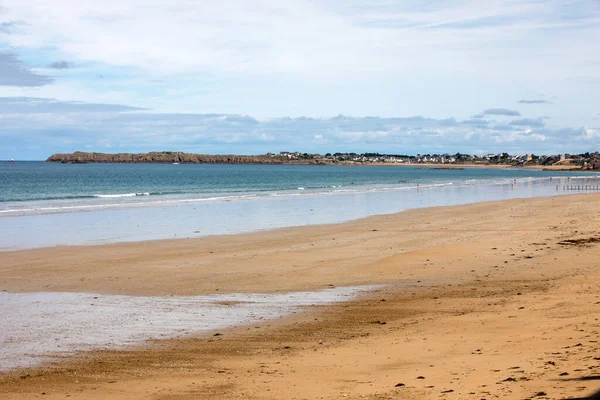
{"x": 170, "y": 157}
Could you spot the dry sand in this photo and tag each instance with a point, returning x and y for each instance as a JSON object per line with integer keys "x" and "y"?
{"x": 491, "y": 300}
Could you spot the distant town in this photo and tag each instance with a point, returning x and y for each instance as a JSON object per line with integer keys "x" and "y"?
{"x": 577, "y": 161}
{"x": 586, "y": 161}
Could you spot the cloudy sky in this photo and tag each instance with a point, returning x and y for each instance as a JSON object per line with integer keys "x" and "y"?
{"x": 257, "y": 76}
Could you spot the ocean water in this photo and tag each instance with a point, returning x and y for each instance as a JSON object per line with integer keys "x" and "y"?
{"x": 38, "y": 187}
{"x": 47, "y": 204}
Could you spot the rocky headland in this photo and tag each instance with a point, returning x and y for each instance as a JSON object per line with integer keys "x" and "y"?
{"x": 171, "y": 157}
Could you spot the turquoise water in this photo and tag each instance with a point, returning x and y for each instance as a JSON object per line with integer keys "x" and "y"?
{"x": 61, "y": 204}
{"x": 38, "y": 187}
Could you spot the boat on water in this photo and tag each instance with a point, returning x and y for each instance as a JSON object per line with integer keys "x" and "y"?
{"x": 11, "y": 160}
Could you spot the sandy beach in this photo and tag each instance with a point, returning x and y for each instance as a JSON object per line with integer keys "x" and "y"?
{"x": 487, "y": 300}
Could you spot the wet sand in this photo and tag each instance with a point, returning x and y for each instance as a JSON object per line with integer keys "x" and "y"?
{"x": 44, "y": 327}
{"x": 489, "y": 300}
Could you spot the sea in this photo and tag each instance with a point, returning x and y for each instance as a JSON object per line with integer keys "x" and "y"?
{"x": 49, "y": 204}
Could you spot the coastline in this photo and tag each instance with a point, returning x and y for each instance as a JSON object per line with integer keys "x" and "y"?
{"x": 170, "y": 157}
{"x": 152, "y": 217}
{"x": 474, "y": 289}
{"x": 309, "y": 257}
{"x": 323, "y": 163}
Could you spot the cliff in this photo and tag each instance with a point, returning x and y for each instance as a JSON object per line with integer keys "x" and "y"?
{"x": 169, "y": 157}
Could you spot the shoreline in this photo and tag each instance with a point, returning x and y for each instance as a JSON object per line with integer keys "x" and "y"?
{"x": 214, "y": 249}
{"x": 491, "y": 286}
{"x": 184, "y": 218}
{"x": 238, "y": 247}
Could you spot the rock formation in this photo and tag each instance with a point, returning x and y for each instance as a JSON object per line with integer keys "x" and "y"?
{"x": 170, "y": 157}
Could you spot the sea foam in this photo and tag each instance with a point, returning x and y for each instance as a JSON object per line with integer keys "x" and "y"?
{"x": 110, "y": 196}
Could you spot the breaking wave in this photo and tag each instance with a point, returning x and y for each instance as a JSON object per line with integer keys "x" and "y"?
{"x": 110, "y": 196}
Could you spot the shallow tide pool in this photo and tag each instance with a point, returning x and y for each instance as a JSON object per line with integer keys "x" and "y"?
{"x": 40, "y": 327}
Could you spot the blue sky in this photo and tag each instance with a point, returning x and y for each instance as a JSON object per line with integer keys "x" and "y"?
{"x": 246, "y": 76}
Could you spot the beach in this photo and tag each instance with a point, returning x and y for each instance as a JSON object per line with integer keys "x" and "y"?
{"x": 488, "y": 300}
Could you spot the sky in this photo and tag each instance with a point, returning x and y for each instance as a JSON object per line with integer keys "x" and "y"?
{"x": 258, "y": 76}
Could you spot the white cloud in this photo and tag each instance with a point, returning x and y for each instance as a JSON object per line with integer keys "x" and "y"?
{"x": 322, "y": 39}
{"x": 270, "y": 58}
{"x": 319, "y": 139}
{"x": 591, "y": 134}
{"x": 83, "y": 126}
